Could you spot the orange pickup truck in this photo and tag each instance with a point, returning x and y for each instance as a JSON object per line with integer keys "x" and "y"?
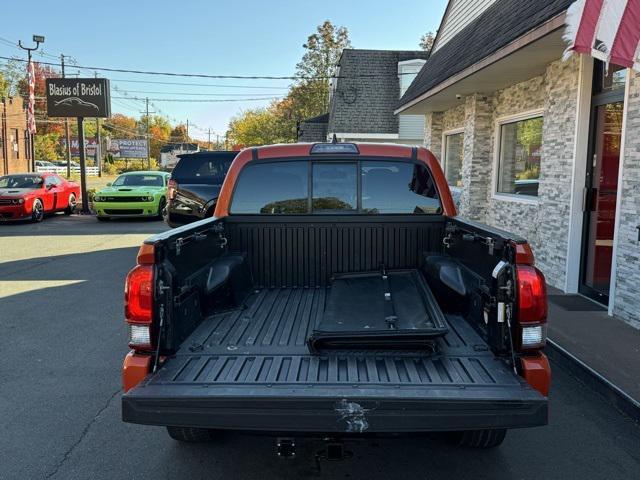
{"x": 336, "y": 293}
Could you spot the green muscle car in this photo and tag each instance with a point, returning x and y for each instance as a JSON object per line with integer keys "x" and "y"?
{"x": 133, "y": 194}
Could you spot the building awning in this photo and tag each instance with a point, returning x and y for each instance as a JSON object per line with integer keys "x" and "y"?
{"x": 608, "y": 30}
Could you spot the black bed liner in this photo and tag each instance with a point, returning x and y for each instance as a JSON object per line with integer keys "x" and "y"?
{"x": 251, "y": 369}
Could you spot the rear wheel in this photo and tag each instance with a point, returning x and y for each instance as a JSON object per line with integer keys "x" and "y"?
{"x": 189, "y": 434}
{"x": 72, "y": 204}
{"x": 478, "y": 438}
{"x": 37, "y": 211}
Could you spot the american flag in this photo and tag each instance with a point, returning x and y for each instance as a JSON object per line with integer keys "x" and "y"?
{"x": 608, "y": 30}
{"x": 31, "y": 118}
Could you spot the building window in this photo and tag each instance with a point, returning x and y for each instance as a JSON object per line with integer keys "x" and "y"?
{"x": 519, "y": 157}
{"x": 407, "y": 72}
{"x": 453, "y": 152}
{"x": 27, "y": 144}
{"x": 15, "y": 140}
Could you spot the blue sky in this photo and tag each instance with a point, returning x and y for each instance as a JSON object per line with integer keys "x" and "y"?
{"x": 213, "y": 37}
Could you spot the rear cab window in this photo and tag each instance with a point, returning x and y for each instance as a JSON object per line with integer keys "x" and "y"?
{"x": 289, "y": 187}
{"x": 202, "y": 169}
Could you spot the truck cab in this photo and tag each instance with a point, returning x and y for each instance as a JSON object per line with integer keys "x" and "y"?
{"x": 335, "y": 292}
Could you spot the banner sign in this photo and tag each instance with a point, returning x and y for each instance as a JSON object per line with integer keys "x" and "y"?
{"x": 91, "y": 146}
{"x": 126, "y": 148}
{"x": 78, "y": 97}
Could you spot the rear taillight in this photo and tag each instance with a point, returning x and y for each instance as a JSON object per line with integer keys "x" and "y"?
{"x": 531, "y": 308}
{"x": 138, "y": 306}
{"x": 172, "y": 188}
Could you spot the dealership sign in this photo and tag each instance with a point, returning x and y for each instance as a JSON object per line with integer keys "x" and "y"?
{"x": 126, "y": 148}
{"x": 78, "y": 97}
{"x": 90, "y": 144}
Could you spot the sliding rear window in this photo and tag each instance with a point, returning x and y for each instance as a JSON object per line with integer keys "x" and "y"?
{"x": 349, "y": 187}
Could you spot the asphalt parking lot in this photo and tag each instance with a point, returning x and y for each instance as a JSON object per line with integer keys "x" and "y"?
{"x": 62, "y": 343}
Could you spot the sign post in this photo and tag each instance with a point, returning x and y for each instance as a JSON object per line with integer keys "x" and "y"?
{"x": 79, "y": 97}
{"x": 83, "y": 165}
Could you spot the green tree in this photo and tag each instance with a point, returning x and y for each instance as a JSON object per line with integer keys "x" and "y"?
{"x": 318, "y": 64}
{"x": 307, "y": 97}
{"x": 4, "y": 86}
{"x": 47, "y": 146}
{"x": 259, "y": 126}
{"x": 14, "y": 72}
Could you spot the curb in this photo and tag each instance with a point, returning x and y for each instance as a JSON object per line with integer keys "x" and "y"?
{"x": 614, "y": 394}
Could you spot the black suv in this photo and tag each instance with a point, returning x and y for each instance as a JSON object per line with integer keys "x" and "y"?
{"x": 194, "y": 186}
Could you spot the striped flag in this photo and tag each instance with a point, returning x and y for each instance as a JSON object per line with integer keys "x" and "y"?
{"x": 608, "y": 30}
{"x": 31, "y": 118}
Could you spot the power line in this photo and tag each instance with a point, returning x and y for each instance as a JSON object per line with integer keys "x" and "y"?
{"x": 237, "y": 77}
{"x": 269, "y": 87}
{"x": 199, "y": 93}
{"x": 205, "y": 100}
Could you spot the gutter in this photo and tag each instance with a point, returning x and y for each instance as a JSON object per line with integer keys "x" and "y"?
{"x": 536, "y": 34}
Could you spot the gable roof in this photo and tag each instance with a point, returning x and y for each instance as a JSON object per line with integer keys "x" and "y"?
{"x": 499, "y": 25}
{"x": 367, "y": 90}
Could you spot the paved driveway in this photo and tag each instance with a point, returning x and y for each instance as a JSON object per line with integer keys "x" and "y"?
{"x": 62, "y": 341}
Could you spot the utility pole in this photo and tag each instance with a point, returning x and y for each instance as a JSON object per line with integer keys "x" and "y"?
{"x": 66, "y": 130}
{"x": 98, "y": 144}
{"x": 209, "y": 134}
{"x": 147, "y": 112}
{"x": 187, "y": 139}
{"x": 38, "y": 39}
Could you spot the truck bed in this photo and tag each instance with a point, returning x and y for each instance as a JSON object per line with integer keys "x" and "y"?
{"x": 251, "y": 369}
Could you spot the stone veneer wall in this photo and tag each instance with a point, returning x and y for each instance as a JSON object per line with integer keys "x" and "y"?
{"x": 545, "y": 222}
{"x": 627, "y": 300}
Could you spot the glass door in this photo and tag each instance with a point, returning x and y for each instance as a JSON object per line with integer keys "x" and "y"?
{"x": 600, "y": 201}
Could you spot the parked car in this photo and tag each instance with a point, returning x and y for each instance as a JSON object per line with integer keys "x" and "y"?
{"x": 335, "y": 293}
{"x": 45, "y": 164}
{"x": 63, "y": 163}
{"x": 133, "y": 194}
{"x": 194, "y": 186}
{"x": 30, "y": 196}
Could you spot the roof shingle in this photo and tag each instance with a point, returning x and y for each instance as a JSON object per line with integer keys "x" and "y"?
{"x": 499, "y": 25}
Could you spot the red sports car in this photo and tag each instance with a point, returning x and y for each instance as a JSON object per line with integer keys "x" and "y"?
{"x": 26, "y": 196}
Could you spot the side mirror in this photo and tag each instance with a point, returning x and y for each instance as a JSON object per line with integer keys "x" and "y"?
{"x": 109, "y": 184}
{"x": 50, "y": 186}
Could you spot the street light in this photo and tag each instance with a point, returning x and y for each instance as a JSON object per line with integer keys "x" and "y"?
{"x": 38, "y": 39}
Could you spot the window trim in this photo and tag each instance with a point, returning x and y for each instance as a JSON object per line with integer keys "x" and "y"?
{"x": 497, "y": 140}
{"x": 443, "y": 151}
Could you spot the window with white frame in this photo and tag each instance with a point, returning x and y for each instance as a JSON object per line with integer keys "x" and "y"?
{"x": 520, "y": 144}
{"x": 452, "y": 161}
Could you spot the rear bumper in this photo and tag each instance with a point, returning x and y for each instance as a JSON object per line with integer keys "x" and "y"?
{"x": 304, "y": 412}
{"x": 176, "y": 218}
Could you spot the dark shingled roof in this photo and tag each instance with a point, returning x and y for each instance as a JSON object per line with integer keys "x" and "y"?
{"x": 324, "y": 118}
{"x": 499, "y": 25}
{"x": 367, "y": 90}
